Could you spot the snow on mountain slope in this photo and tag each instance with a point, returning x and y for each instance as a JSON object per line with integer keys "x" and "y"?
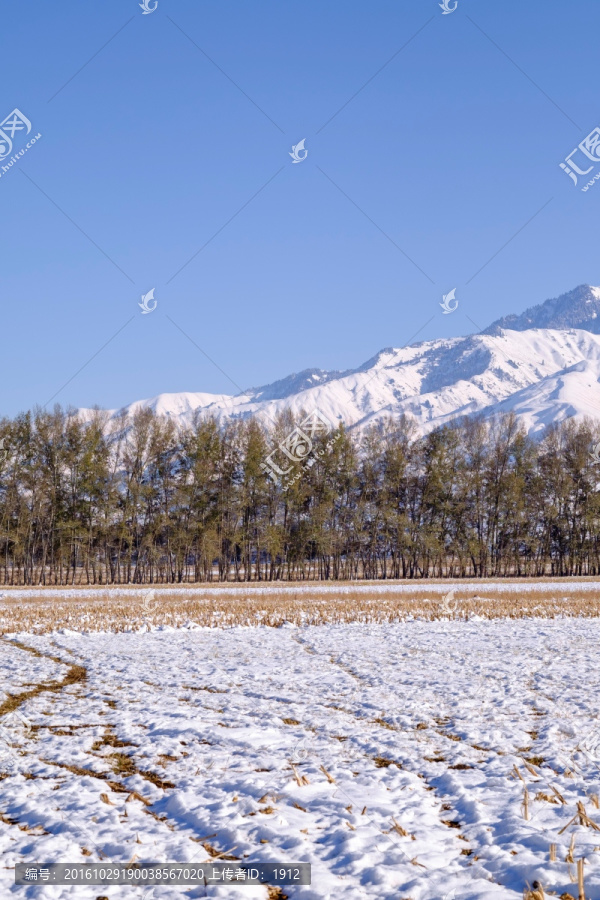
{"x": 180, "y": 405}
{"x": 572, "y": 393}
{"x": 544, "y": 374}
{"x": 490, "y": 369}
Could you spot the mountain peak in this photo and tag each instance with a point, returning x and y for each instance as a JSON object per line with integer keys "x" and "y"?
{"x": 543, "y": 364}
{"x": 579, "y": 308}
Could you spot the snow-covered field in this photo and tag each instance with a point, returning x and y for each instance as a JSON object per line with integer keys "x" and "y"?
{"x": 396, "y": 759}
{"x": 282, "y": 588}
{"x": 138, "y": 608}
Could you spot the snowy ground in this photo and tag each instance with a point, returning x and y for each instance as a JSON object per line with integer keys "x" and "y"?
{"x": 213, "y": 590}
{"x": 384, "y": 755}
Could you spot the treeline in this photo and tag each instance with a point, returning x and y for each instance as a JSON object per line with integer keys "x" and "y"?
{"x": 145, "y": 501}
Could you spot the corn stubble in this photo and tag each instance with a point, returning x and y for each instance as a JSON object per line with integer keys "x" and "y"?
{"x": 216, "y": 607}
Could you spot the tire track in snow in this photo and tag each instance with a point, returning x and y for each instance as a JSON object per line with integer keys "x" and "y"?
{"x": 76, "y": 675}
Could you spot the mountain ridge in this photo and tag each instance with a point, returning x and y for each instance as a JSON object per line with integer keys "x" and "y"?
{"x": 525, "y": 363}
{"x": 579, "y": 308}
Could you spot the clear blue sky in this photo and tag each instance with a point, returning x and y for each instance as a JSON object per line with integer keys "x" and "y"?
{"x": 173, "y": 126}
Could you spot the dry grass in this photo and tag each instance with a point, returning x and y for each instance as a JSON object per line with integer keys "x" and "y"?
{"x": 382, "y": 762}
{"x": 218, "y": 854}
{"x": 276, "y": 893}
{"x": 109, "y": 739}
{"x": 219, "y": 605}
{"x": 534, "y": 893}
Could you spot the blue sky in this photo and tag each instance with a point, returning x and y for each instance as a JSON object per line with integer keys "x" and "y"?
{"x": 175, "y": 136}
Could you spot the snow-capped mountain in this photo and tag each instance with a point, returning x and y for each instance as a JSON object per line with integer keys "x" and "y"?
{"x": 579, "y": 308}
{"x": 544, "y": 364}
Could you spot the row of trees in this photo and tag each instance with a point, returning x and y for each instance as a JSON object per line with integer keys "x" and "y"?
{"x": 142, "y": 500}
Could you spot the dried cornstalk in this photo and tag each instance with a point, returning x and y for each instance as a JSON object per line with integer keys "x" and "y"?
{"x": 580, "y": 883}
{"x": 536, "y": 892}
{"x": 397, "y": 827}
{"x": 301, "y": 780}
{"x": 582, "y": 818}
{"x": 525, "y": 804}
{"x": 329, "y": 777}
